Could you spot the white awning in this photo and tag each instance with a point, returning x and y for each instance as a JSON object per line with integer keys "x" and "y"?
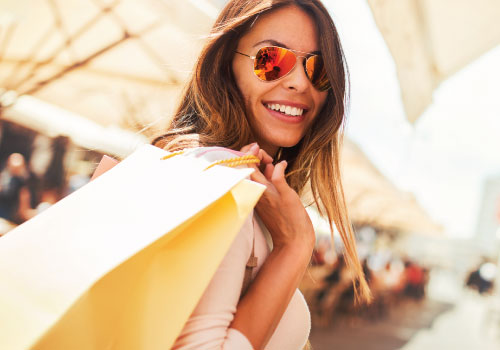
{"x": 432, "y": 39}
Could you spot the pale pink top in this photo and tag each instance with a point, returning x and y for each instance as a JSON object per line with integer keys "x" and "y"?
{"x": 209, "y": 325}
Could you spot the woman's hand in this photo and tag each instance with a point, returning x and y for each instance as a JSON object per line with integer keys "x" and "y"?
{"x": 280, "y": 207}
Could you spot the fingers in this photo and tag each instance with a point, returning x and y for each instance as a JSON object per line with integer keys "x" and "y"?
{"x": 266, "y": 158}
{"x": 268, "y": 171}
{"x": 261, "y": 155}
{"x": 278, "y": 177}
{"x": 246, "y": 148}
{"x": 252, "y": 149}
{"x": 257, "y": 176}
{"x": 255, "y": 149}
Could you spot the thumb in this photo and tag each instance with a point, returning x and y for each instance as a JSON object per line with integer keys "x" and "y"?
{"x": 278, "y": 177}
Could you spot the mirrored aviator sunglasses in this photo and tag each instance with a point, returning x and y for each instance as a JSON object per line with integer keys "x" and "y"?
{"x": 274, "y": 62}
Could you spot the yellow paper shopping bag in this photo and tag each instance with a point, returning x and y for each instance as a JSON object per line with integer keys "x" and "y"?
{"x": 122, "y": 262}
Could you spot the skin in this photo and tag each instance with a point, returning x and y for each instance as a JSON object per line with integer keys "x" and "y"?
{"x": 280, "y": 208}
{"x": 296, "y": 30}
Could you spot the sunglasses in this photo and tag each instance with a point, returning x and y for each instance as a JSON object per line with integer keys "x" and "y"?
{"x": 274, "y": 62}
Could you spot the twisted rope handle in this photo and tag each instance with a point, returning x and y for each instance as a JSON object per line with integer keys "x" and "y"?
{"x": 234, "y": 162}
{"x": 230, "y": 162}
{"x": 173, "y": 154}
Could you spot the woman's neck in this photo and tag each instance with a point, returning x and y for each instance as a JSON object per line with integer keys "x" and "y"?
{"x": 272, "y": 150}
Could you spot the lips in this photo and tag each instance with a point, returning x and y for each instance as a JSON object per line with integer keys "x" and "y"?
{"x": 286, "y": 111}
{"x": 286, "y": 108}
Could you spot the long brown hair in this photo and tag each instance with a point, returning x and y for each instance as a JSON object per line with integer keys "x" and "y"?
{"x": 212, "y": 112}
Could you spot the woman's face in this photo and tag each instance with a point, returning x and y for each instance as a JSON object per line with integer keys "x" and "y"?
{"x": 292, "y": 28}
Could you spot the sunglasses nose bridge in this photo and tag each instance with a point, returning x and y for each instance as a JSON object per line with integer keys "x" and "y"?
{"x": 305, "y": 58}
{"x": 297, "y": 78}
{"x": 303, "y": 62}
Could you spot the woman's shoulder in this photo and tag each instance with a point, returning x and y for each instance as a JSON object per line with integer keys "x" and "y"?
{"x": 218, "y": 155}
{"x": 214, "y": 153}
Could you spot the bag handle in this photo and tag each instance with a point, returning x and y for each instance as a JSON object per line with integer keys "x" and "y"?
{"x": 230, "y": 162}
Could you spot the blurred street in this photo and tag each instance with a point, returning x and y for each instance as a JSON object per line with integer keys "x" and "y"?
{"x": 469, "y": 322}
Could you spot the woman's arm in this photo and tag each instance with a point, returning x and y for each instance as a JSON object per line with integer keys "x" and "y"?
{"x": 281, "y": 210}
{"x": 262, "y": 307}
{"x": 221, "y": 320}
{"x": 208, "y": 326}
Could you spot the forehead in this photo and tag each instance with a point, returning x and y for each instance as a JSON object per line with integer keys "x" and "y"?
{"x": 289, "y": 25}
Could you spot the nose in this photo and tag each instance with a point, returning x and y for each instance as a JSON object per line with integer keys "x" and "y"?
{"x": 297, "y": 79}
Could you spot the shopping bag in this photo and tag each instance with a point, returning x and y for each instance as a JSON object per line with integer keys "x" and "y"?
{"x": 121, "y": 262}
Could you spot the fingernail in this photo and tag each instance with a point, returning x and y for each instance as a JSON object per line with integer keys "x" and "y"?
{"x": 254, "y": 147}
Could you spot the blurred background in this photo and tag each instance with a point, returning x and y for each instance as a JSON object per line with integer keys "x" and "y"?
{"x": 84, "y": 78}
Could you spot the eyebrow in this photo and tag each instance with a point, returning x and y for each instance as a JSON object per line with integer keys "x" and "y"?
{"x": 277, "y": 43}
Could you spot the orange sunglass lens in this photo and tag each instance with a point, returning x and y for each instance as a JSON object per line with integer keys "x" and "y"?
{"x": 316, "y": 72}
{"x": 272, "y": 63}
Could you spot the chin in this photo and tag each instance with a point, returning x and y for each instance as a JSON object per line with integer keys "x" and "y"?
{"x": 281, "y": 141}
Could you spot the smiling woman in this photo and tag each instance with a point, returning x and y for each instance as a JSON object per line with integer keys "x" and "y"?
{"x": 268, "y": 84}
{"x": 288, "y": 27}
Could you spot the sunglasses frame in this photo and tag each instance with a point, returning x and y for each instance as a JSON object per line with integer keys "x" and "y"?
{"x": 304, "y": 63}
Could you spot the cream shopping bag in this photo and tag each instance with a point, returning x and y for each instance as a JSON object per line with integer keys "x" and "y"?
{"x": 122, "y": 262}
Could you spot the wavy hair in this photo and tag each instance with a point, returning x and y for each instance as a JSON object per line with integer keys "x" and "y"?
{"x": 212, "y": 112}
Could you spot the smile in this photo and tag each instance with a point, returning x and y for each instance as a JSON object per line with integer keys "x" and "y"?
{"x": 287, "y": 110}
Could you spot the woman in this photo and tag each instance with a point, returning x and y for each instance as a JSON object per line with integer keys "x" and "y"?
{"x": 260, "y": 86}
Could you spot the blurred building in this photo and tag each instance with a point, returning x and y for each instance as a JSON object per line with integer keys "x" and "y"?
{"x": 488, "y": 223}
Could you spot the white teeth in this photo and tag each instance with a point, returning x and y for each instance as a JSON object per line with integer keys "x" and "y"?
{"x": 289, "y": 110}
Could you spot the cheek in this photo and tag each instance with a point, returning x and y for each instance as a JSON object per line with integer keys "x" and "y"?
{"x": 237, "y": 73}
{"x": 320, "y": 100}
{"x": 243, "y": 79}
{"x": 322, "y": 96}
{"x": 250, "y": 87}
